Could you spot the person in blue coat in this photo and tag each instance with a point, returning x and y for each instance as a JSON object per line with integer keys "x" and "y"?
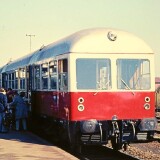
{"x": 21, "y": 110}
{"x": 3, "y": 105}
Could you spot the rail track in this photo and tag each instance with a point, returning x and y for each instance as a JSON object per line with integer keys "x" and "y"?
{"x": 103, "y": 153}
{"x": 158, "y": 119}
{"x": 89, "y": 152}
{"x": 138, "y": 151}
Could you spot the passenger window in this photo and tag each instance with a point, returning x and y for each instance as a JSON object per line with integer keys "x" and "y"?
{"x": 10, "y": 80}
{"x": 22, "y": 78}
{"x": 44, "y": 76}
{"x": 37, "y": 77}
{"x": 53, "y": 74}
{"x": 5, "y": 80}
{"x": 16, "y": 79}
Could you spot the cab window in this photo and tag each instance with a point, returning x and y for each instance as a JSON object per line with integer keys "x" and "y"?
{"x": 133, "y": 74}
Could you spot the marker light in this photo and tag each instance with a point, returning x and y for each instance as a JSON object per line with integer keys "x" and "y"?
{"x": 81, "y": 100}
{"x": 147, "y": 99}
{"x": 81, "y": 107}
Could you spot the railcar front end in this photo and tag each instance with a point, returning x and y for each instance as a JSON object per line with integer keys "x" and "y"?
{"x": 113, "y": 98}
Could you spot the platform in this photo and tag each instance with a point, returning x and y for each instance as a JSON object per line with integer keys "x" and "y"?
{"x": 27, "y": 146}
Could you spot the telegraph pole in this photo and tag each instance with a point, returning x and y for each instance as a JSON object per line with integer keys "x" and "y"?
{"x": 30, "y": 40}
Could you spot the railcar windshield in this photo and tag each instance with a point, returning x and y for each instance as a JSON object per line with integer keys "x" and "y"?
{"x": 93, "y": 74}
{"x": 133, "y": 74}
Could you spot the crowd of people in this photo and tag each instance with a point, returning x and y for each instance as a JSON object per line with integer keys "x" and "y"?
{"x": 15, "y": 104}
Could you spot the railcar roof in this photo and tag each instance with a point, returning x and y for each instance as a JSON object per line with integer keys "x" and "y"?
{"x": 97, "y": 40}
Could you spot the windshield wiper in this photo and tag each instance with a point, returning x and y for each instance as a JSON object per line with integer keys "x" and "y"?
{"x": 127, "y": 85}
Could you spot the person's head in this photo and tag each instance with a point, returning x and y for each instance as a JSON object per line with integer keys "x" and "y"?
{"x": 9, "y": 89}
{"x": 10, "y": 93}
{"x": 13, "y": 93}
{"x": 22, "y": 94}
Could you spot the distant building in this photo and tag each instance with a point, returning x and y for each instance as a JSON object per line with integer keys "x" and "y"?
{"x": 157, "y": 95}
{"x": 157, "y": 83}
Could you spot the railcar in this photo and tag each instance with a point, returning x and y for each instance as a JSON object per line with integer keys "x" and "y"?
{"x": 94, "y": 86}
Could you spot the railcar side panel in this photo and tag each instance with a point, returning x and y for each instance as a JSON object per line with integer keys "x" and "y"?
{"x": 45, "y": 103}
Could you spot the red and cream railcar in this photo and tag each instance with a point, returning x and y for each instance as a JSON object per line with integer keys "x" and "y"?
{"x": 97, "y": 84}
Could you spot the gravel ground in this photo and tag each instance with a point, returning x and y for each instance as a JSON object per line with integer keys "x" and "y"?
{"x": 145, "y": 151}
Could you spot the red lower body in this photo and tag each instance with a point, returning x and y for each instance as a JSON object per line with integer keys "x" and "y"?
{"x": 97, "y": 105}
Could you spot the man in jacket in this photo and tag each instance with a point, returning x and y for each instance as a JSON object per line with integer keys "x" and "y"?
{"x": 3, "y": 105}
{"x": 21, "y": 110}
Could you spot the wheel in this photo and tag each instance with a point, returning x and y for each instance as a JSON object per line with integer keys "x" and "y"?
{"x": 76, "y": 148}
{"x": 116, "y": 144}
{"x": 75, "y": 145}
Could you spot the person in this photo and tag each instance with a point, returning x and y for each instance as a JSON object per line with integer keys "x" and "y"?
{"x": 3, "y": 105}
{"x": 11, "y": 111}
{"x": 21, "y": 110}
{"x": 10, "y": 94}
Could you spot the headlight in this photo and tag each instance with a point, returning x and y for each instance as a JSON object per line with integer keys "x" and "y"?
{"x": 88, "y": 126}
{"x": 147, "y": 106}
{"x": 149, "y": 124}
{"x": 81, "y": 107}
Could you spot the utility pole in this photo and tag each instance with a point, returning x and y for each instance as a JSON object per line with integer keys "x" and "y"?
{"x": 30, "y": 40}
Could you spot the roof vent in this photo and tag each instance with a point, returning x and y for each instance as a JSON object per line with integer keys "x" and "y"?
{"x": 41, "y": 47}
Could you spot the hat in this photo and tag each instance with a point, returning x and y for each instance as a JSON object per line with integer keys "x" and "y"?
{"x": 2, "y": 90}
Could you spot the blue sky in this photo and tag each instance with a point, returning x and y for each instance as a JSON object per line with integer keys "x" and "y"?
{"x": 50, "y": 20}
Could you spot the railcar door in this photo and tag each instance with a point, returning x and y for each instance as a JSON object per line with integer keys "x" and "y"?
{"x": 64, "y": 101}
{"x": 53, "y": 86}
{"x": 29, "y": 85}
